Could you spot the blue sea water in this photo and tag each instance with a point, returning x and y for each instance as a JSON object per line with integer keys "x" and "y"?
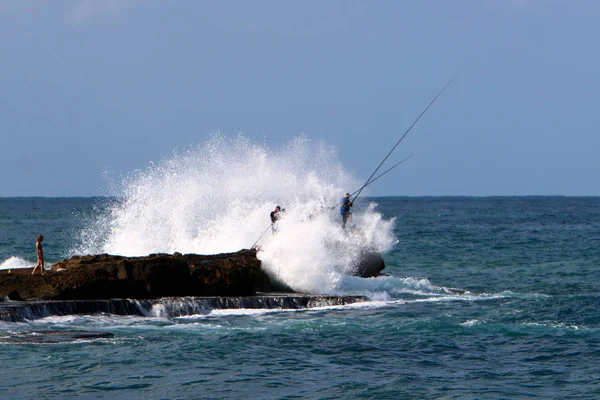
{"x": 526, "y": 327}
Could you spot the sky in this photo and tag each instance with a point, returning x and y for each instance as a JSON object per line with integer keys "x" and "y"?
{"x": 90, "y": 86}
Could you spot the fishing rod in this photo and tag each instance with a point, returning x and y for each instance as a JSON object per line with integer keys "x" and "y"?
{"x": 371, "y": 180}
{"x": 406, "y": 133}
{"x": 380, "y": 175}
{"x": 377, "y": 177}
{"x": 260, "y": 237}
{"x": 364, "y": 186}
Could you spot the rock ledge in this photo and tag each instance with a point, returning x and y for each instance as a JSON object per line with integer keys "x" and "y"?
{"x": 105, "y": 276}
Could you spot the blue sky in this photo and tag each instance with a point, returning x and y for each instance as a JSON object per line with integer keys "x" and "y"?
{"x": 90, "y": 86}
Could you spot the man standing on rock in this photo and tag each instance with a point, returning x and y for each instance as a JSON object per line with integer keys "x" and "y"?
{"x": 40, "y": 255}
{"x": 275, "y": 216}
{"x": 345, "y": 205}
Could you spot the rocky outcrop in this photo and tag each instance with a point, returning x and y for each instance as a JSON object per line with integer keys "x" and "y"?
{"x": 369, "y": 264}
{"x": 106, "y": 276}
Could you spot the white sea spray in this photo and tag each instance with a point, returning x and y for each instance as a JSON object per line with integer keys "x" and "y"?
{"x": 216, "y": 197}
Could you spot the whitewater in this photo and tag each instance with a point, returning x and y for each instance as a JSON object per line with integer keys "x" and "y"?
{"x": 216, "y": 198}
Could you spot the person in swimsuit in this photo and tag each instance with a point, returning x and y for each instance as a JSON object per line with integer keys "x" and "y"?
{"x": 40, "y": 255}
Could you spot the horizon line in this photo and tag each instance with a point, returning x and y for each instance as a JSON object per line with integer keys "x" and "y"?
{"x": 370, "y": 197}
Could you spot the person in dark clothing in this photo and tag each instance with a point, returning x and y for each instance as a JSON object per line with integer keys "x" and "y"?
{"x": 275, "y": 216}
{"x": 345, "y": 205}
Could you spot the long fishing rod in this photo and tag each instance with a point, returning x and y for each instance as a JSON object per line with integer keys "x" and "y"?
{"x": 406, "y": 133}
{"x": 377, "y": 177}
{"x": 371, "y": 180}
{"x": 260, "y": 237}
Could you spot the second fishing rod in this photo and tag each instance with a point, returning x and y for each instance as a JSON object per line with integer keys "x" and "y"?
{"x": 374, "y": 179}
{"x": 403, "y": 136}
{"x": 371, "y": 179}
{"x": 335, "y": 206}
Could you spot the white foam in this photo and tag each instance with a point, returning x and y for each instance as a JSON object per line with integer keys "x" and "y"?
{"x": 386, "y": 288}
{"x": 471, "y": 322}
{"x": 458, "y": 297}
{"x": 266, "y": 311}
{"x": 233, "y": 312}
{"x": 217, "y": 197}
{"x": 101, "y": 320}
{"x": 556, "y": 325}
{"x": 16, "y": 263}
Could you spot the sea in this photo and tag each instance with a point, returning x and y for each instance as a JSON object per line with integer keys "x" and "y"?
{"x": 482, "y": 297}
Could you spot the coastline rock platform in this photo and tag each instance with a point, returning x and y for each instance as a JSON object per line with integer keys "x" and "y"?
{"x": 167, "y": 307}
{"x": 104, "y": 276}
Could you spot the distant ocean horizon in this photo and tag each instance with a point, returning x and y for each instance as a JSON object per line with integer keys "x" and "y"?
{"x": 372, "y": 196}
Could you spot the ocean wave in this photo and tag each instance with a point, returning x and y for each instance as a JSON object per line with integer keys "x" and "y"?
{"x": 15, "y": 262}
{"x": 216, "y": 197}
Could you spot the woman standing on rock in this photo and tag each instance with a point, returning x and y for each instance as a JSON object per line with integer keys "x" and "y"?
{"x": 40, "y": 255}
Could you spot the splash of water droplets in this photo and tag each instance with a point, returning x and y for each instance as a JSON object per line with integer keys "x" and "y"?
{"x": 216, "y": 197}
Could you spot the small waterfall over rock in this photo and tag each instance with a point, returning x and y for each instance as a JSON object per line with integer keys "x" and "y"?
{"x": 165, "y": 307}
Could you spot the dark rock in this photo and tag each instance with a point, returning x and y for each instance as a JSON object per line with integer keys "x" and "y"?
{"x": 106, "y": 276}
{"x": 369, "y": 265}
{"x": 168, "y": 307}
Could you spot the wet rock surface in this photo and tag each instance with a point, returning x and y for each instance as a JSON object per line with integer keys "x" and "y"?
{"x": 166, "y": 307}
{"x": 107, "y": 276}
{"x": 369, "y": 265}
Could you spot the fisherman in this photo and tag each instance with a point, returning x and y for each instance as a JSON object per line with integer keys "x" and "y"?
{"x": 275, "y": 216}
{"x": 345, "y": 205}
{"x": 40, "y": 255}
